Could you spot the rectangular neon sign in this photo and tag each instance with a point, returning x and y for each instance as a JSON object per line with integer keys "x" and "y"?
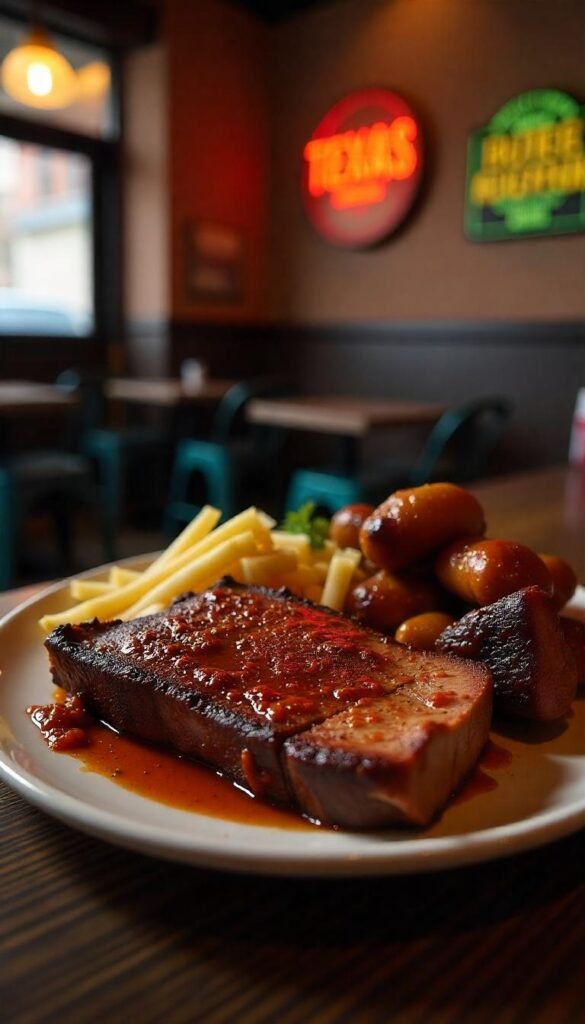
{"x": 526, "y": 169}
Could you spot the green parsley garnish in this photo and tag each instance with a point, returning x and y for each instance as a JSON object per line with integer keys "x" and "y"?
{"x": 304, "y": 520}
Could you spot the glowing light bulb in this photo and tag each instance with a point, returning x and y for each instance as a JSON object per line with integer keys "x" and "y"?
{"x": 35, "y": 73}
{"x": 39, "y": 78}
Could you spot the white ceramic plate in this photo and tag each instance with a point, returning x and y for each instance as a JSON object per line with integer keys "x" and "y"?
{"x": 540, "y": 794}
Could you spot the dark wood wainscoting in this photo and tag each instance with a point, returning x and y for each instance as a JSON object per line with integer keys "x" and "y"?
{"x": 43, "y": 359}
{"x": 538, "y": 366}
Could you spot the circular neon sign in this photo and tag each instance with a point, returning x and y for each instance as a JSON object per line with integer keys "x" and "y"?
{"x": 362, "y": 168}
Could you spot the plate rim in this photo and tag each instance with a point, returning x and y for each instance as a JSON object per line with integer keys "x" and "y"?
{"x": 408, "y": 856}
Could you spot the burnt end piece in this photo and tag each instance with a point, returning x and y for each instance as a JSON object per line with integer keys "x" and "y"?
{"x": 521, "y": 640}
{"x": 574, "y": 634}
{"x": 232, "y": 674}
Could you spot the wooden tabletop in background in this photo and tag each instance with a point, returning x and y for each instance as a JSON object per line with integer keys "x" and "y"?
{"x": 165, "y": 391}
{"x": 331, "y": 414}
{"x": 24, "y": 398}
{"x": 89, "y": 932}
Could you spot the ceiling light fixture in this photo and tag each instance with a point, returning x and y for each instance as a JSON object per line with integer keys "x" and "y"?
{"x": 36, "y": 74}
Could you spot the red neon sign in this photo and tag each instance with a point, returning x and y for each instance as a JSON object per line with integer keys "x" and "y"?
{"x": 362, "y": 168}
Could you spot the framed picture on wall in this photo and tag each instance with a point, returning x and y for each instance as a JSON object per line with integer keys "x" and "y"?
{"x": 214, "y": 262}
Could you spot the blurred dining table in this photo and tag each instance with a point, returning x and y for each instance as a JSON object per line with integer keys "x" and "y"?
{"x": 92, "y": 932}
{"x": 167, "y": 392}
{"x": 185, "y": 407}
{"x": 351, "y": 420}
{"x": 27, "y": 398}
{"x": 24, "y": 401}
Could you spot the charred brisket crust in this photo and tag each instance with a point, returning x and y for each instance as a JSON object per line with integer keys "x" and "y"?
{"x": 282, "y": 594}
{"x": 247, "y": 748}
{"x": 65, "y": 641}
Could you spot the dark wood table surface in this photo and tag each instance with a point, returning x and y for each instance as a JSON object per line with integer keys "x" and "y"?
{"x": 331, "y": 414}
{"x": 167, "y": 392}
{"x": 26, "y": 398}
{"x": 89, "y": 932}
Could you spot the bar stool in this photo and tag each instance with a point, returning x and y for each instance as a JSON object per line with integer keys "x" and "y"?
{"x": 112, "y": 451}
{"x": 328, "y": 490}
{"x": 235, "y": 451}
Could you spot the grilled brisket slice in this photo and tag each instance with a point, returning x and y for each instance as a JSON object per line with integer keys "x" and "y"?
{"x": 394, "y": 759}
{"x": 232, "y": 674}
{"x": 521, "y": 639}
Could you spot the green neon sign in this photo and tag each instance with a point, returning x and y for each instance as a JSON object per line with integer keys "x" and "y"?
{"x": 526, "y": 169}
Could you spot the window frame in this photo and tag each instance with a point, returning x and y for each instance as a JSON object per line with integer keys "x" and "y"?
{"x": 105, "y": 157}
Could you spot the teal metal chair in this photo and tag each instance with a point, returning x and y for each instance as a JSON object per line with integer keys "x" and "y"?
{"x": 329, "y": 491}
{"x": 55, "y": 483}
{"x": 457, "y": 449}
{"x": 112, "y": 451}
{"x": 235, "y": 452}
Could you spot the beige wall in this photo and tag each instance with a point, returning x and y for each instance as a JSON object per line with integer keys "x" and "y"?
{"x": 147, "y": 271}
{"x": 217, "y": 116}
{"x": 219, "y": 131}
{"x": 457, "y": 61}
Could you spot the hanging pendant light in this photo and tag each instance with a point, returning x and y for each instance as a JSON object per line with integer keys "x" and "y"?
{"x": 36, "y": 74}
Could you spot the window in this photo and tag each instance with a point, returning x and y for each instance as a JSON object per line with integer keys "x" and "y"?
{"x": 46, "y": 271}
{"x": 59, "y": 201}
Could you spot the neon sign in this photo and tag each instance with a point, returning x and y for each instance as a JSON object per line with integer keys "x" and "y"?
{"x": 362, "y": 168}
{"x": 526, "y": 169}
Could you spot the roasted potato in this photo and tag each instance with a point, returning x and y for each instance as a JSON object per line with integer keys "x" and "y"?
{"x": 346, "y": 525}
{"x": 414, "y": 523}
{"x": 564, "y": 579}
{"x": 385, "y": 600}
{"x": 421, "y": 631}
{"x": 481, "y": 572}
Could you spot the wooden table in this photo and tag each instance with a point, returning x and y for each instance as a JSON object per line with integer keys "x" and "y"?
{"x": 352, "y": 417}
{"x": 166, "y": 392}
{"x": 90, "y": 933}
{"x": 185, "y": 409}
{"x": 25, "y": 398}
{"x": 349, "y": 419}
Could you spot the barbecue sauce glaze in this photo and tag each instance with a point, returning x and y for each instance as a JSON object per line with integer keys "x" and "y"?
{"x": 178, "y": 782}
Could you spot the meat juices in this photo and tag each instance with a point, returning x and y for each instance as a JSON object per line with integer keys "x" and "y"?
{"x": 300, "y": 705}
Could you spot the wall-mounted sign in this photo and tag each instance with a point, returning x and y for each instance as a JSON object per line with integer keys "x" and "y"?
{"x": 526, "y": 169}
{"x": 362, "y": 168}
{"x": 214, "y": 257}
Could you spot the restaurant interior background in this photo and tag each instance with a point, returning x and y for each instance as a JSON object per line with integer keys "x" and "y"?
{"x": 161, "y": 219}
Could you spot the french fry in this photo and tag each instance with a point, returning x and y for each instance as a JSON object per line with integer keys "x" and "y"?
{"x": 265, "y": 569}
{"x": 110, "y": 605}
{"x": 152, "y": 609}
{"x": 82, "y": 590}
{"x": 119, "y": 575}
{"x": 297, "y": 542}
{"x": 320, "y": 570}
{"x": 352, "y": 554}
{"x": 325, "y": 554}
{"x": 235, "y": 571}
{"x": 314, "y": 593}
{"x": 341, "y": 570}
{"x": 266, "y": 520}
{"x": 264, "y": 543}
{"x": 197, "y": 574}
{"x": 246, "y": 547}
{"x": 305, "y": 580}
{"x": 199, "y": 527}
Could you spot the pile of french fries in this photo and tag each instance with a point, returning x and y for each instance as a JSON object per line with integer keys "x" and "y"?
{"x": 246, "y": 547}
